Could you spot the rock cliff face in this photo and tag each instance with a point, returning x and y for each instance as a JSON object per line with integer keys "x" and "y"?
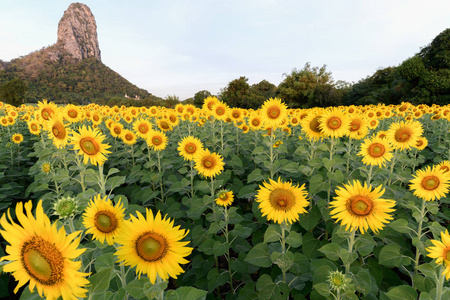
{"x": 77, "y": 32}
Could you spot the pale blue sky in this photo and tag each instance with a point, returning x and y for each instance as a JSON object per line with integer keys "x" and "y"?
{"x": 179, "y": 47}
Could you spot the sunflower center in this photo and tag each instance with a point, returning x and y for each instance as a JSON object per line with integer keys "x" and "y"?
{"x": 208, "y": 162}
{"x": 273, "y": 112}
{"x": 128, "y": 137}
{"x": 59, "y": 131}
{"x": 334, "y": 123}
{"x": 46, "y": 113}
{"x": 447, "y": 255}
{"x": 143, "y": 128}
{"x": 105, "y": 221}
{"x": 156, "y": 140}
{"x": 419, "y": 143}
{"x": 151, "y": 246}
{"x": 190, "y": 148}
{"x": 42, "y": 261}
{"x": 403, "y": 135}
{"x": 255, "y": 122}
{"x": 34, "y": 127}
{"x": 282, "y": 199}
{"x": 314, "y": 125}
{"x": 117, "y": 130}
{"x": 220, "y": 111}
{"x": 223, "y": 196}
{"x": 164, "y": 125}
{"x": 360, "y": 205}
{"x": 72, "y": 113}
{"x": 89, "y": 146}
{"x": 172, "y": 119}
{"x": 376, "y": 150}
{"x": 46, "y": 168}
{"x": 355, "y": 125}
{"x": 430, "y": 182}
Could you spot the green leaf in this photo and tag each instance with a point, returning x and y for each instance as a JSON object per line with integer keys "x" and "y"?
{"x": 247, "y": 191}
{"x": 27, "y": 295}
{"x": 364, "y": 244}
{"x": 256, "y": 175}
{"x": 428, "y": 270}
{"x": 267, "y": 289}
{"x": 220, "y": 249}
{"x": 322, "y": 288}
{"x": 331, "y": 251}
{"x": 153, "y": 291}
{"x": 241, "y": 231}
{"x": 400, "y": 225}
{"x": 259, "y": 256}
{"x": 272, "y": 234}
{"x": 112, "y": 171}
{"x": 136, "y": 287}
{"x": 186, "y": 292}
{"x": 106, "y": 260}
{"x": 294, "y": 239}
{"x": 290, "y": 167}
{"x": 390, "y": 256}
{"x": 216, "y": 279}
{"x": 100, "y": 281}
{"x": 310, "y": 220}
{"x": 114, "y": 182}
{"x": 403, "y": 292}
{"x": 283, "y": 260}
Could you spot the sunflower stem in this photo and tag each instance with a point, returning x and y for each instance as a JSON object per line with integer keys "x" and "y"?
{"x": 283, "y": 249}
{"x": 101, "y": 180}
{"x": 212, "y": 196}
{"x": 349, "y": 150}
{"x": 392, "y": 167}
{"x": 369, "y": 176}
{"x": 272, "y": 138}
{"x": 160, "y": 176}
{"x": 221, "y": 137}
{"x": 351, "y": 242}
{"x": 123, "y": 279}
{"x": 225, "y": 215}
{"x": 440, "y": 284}
{"x": 419, "y": 234}
{"x": 191, "y": 163}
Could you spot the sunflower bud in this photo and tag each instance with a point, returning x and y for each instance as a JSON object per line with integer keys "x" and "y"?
{"x": 337, "y": 281}
{"x": 65, "y": 207}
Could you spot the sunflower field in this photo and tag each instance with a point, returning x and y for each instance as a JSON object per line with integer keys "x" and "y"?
{"x": 103, "y": 202}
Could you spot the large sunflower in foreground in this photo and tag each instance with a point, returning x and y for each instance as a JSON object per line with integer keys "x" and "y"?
{"x": 102, "y": 219}
{"x": 40, "y": 254}
{"x": 282, "y": 201}
{"x": 404, "y": 135}
{"x": 359, "y": 206}
{"x": 188, "y": 146}
{"x": 430, "y": 183}
{"x": 89, "y": 144}
{"x": 334, "y": 123}
{"x": 153, "y": 245}
{"x": 376, "y": 151}
{"x": 208, "y": 164}
{"x": 441, "y": 252}
{"x": 273, "y": 112}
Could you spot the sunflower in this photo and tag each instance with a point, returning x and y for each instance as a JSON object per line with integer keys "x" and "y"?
{"x": 188, "y": 146}
{"x": 430, "y": 183}
{"x": 128, "y": 137}
{"x": 359, "y": 207}
{"x": 72, "y": 113}
{"x": 373, "y": 123}
{"x": 208, "y": 164}
{"x": 444, "y": 166}
{"x": 157, "y": 140}
{"x": 310, "y": 125}
{"x": 164, "y": 125}
{"x": 116, "y": 129}
{"x": 220, "y": 110}
{"x": 17, "y": 138}
{"x": 273, "y": 112}
{"x": 42, "y": 255}
{"x": 422, "y": 143}
{"x": 89, "y": 143}
{"x": 57, "y": 131}
{"x": 404, "y": 135}
{"x": 441, "y": 252}
{"x": 282, "y": 201}
{"x": 47, "y": 109}
{"x": 375, "y": 151}
{"x": 102, "y": 219}
{"x": 34, "y": 127}
{"x": 142, "y": 127}
{"x": 334, "y": 123}
{"x": 153, "y": 245}
{"x": 224, "y": 198}
{"x": 255, "y": 122}
{"x": 359, "y": 126}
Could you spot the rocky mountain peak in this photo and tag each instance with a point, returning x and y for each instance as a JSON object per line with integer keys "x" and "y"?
{"x": 77, "y": 32}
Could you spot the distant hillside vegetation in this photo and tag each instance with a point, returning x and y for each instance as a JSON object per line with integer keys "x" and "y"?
{"x": 52, "y": 74}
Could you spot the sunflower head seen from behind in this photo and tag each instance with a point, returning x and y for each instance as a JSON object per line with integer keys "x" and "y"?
{"x": 282, "y": 201}
{"x": 89, "y": 143}
{"x": 41, "y": 255}
{"x": 153, "y": 245}
{"x": 359, "y": 207}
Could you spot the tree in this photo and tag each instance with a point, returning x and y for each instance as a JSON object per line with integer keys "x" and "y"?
{"x": 265, "y": 89}
{"x": 298, "y": 88}
{"x": 13, "y": 92}
{"x": 236, "y": 93}
{"x": 200, "y": 96}
{"x": 437, "y": 55}
{"x": 172, "y": 100}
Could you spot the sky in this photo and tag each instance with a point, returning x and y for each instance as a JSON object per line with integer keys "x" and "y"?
{"x": 180, "y": 47}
